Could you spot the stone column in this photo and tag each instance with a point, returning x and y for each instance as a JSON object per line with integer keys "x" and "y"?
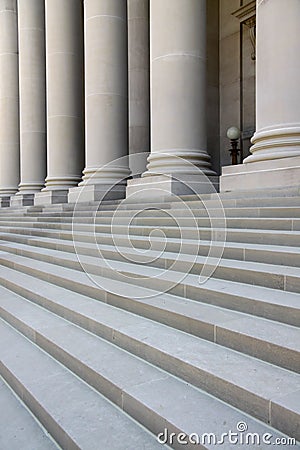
{"x": 64, "y": 66}
{"x": 275, "y": 160}
{"x": 178, "y": 87}
{"x": 32, "y": 84}
{"x": 277, "y": 81}
{"x": 106, "y": 100}
{"x": 139, "y": 84}
{"x": 9, "y": 102}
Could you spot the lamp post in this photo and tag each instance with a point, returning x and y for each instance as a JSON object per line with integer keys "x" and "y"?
{"x": 233, "y": 133}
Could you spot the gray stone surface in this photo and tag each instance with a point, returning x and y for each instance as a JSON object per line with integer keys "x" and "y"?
{"x": 19, "y": 429}
{"x": 146, "y": 401}
{"x": 75, "y": 414}
{"x": 199, "y": 362}
{"x": 156, "y": 347}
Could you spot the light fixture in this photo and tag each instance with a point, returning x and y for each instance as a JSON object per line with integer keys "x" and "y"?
{"x": 233, "y": 133}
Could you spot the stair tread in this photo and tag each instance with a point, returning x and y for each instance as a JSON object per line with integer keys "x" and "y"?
{"x": 289, "y": 212}
{"x": 85, "y": 416}
{"x": 272, "y": 269}
{"x": 227, "y": 244}
{"x": 125, "y": 371}
{"x": 98, "y": 310}
{"x": 206, "y": 321}
{"x": 192, "y": 219}
{"x": 139, "y": 326}
{"x": 98, "y": 226}
{"x": 217, "y": 316}
{"x": 262, "y": 294}
{"x": 277, "y": 255}
{"x": 226, "y": 262}
{"x": 63, "y": 396}
{"x": 61, "y": 257}
{"x": 255, "y": 236}
{"x": 22, "y": 431}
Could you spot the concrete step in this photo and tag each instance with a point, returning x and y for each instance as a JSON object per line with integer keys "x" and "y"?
{"x": 233, "y": 200}
{"x": 19, "y": 429}
{"x": 240, "y": 202}
{"x": 274, "y": 342}
{"x": 75, "y": 414}
{"x": 277, "y": 212}
{"x": 176, "y": 222}
{"x": 165, "y": 271}
{"x": 213, "y": 342}
{"x": 104, "y": 205}
{"x": 260, "y": 301}
{"x": 119, "y": 375}
{"x": 81, "y": 215}
{"x": 252, "y": 193}
{"x": 265, "y": 237}
{"x": 274, "y": 254}
{"x": 226, "y": 199}
{"x": 245, "y": 199}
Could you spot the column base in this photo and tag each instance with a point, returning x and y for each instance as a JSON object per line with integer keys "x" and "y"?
{"x": 22, "y": 200}
{"x": 163, "y": 186}
{"x": 273, "y": 174}
{"x": 51, "y": 197}
{"x": 97, "y": 192}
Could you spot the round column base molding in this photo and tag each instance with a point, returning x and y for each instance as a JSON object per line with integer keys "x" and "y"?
{"x": 108, "y": 175}
{"x": 8, "y": 190}
{"x": 275, "y": 143}
{"x": 178, "y": 161}
{"x": 30, "y": 188}
{"x": 58, "y": 183}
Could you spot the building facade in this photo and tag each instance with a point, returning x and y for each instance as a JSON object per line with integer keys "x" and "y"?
{"x": 87, "y": 85}
{"x": 160, "y": 318}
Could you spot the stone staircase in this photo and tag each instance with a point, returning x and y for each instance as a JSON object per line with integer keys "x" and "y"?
{"x": 122, "y": 320}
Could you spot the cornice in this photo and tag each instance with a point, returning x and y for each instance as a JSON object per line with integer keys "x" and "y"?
{"x": 246, "y": 13}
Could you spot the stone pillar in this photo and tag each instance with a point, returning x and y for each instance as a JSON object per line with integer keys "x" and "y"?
{"x": 106, "y": 100}
{"x": 9, "y": 102}
{"x": 275, "y": 159}
{"x": 277, "y": 81}
{"x": 139, "y": 84}
{"x": 64, "y": 65}
{"x": 32, "y": 84}
{"x": 178, "y": 87}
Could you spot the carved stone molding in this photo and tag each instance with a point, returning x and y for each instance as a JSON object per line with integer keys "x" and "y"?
{"x": 246, "y": 14}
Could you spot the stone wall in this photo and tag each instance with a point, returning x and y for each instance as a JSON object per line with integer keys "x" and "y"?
{"x": 237, "y": 78}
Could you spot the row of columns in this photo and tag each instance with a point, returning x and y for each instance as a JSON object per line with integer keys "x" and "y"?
{"x": 71, "y": 92}
{"x": 64, "y": 72}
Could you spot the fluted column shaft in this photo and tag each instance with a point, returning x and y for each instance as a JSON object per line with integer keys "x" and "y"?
{"x": 106, "y": 91}
{"x": 139, "y": 83}
{"x": 9, "y": 99}
{"x": 32, "y": 74}
{"x": 64, "y": 54}
{"x": 277, "y": 81}
{"x": 178, "y": 86}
